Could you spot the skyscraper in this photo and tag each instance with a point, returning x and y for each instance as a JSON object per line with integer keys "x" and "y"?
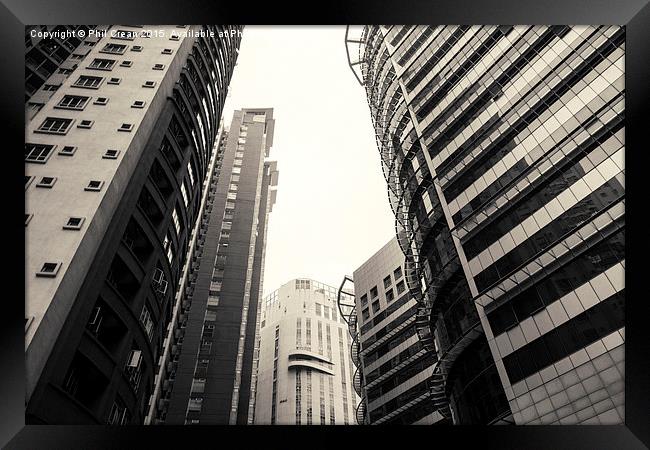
{"x": 503, "y": 151}
{"x": 304, "y": 358}
{"x": 394, "y": 367}
{"x": 211, "y": 378}
{"x": 115, "y": 162}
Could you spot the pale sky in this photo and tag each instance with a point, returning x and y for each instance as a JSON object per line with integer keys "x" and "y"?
{"x": 332, "y": 211}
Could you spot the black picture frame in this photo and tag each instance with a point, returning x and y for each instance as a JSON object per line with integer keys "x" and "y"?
{"x": 633, "y": 14}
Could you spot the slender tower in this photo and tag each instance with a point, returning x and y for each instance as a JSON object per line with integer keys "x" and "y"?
{"x": 211, "y": 378}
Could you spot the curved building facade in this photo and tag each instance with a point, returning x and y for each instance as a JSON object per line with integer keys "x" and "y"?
{"x": 116, "y": 161}
{"x": 502, "y": 147}
{"x": 304, "y": 358}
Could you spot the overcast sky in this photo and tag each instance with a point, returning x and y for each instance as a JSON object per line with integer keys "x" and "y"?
{"x": 332, "y": 211}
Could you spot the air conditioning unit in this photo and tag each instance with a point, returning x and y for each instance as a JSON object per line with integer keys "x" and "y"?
{"x": 162, "y": 287}
{"x": 158, "y": 276}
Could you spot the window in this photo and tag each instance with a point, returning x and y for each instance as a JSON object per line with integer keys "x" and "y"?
{"x": 364, "y": 300}
{"x": 77, "y": 102}
{"x": 390, "y": 295}
{"x": 101, "y": 101}
{"x": 76, "y": 56}
{"x": 50, "y": 87}
{"x": 195, "y": 404}
{"x": 34, "y": 106}
{"x": 398, "y": 273}
{"x": 387, "y": 281}
{"x": 125, "y": 127}
{"x": 166, "y": 51}
{"x": 400, "y": 287}
{"x": 167, "y": 245}
{"x": 190, "y": 172}
{"x": 198, "y": 385}
{"x": 365, "y": 314}
{"x": 28, "y": 217}
{"x": 133, "y": 368}
{"x": 74, "y": 223}
{"x": 114, "y": 81}
{"x": 67, "y": 150}
{"x": 158, "y": 67}
{"x": 65, "y": 71}
{"x": 147, "y": 321}
{"x": 38, "y": 153}
{"x": 86, "y": 124}
{"x": 149, "y": 84}
{"x": 55, "y": 125}
{"x": 102, "y": 64}
{"x": 136, "y": 48}
{"x": 49, "y": 269}
{"x": 88, "y": 82}
{"x": 94, "y": 185}
{"x": 138, "y": 104}
{"x": 177, "y": 223}
{"x": 373, "y": 292}
{"x": 174, "y": 37}
{"x": 46, "y": 182}
{"x": 126, "y": 63}
{"x": 28, "y": 181}
{"x": 375, "y": 306}
{"x": 116, "y": 49}
{"x": 184, "y": 194}
{"x": 119, "y": 415}
{"x": 110, "y": 154}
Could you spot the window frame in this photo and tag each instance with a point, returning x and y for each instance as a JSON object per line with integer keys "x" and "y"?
{"x": 86, "y": 99}
{"x": 90, "y": 188}
{"x": 105, "y": 69}
{"x": 68, "y": 226}
{"x": 46, "y": 185}
{"x": 49, "y": 274}
{"x": 43, "y": 161}
{"x": 70, "y": 123}
{"x": 80, "y": 86}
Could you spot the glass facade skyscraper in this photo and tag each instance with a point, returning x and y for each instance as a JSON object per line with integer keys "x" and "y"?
{"x": 503, "y": 150}
{"x": 115, "y": 161}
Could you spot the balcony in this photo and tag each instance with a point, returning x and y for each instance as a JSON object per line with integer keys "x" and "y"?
{"x": 310, "y": 360}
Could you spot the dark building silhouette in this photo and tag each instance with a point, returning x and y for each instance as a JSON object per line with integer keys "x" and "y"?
{"x": 213, "y": 364}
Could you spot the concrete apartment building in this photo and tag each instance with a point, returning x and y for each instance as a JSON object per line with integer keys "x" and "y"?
{"x": 304, "y": 358}
{"x": 116, "y": 159}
